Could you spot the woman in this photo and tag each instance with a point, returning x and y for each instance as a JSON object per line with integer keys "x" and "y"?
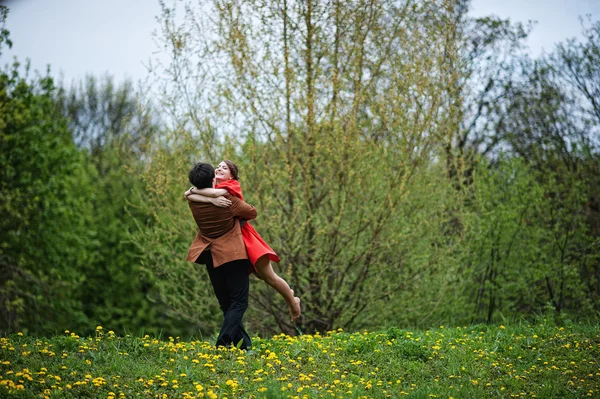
{"x": 259, "y": 252}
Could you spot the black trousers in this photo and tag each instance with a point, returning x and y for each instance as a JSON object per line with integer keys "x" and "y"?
{"x": 231, "y": 283}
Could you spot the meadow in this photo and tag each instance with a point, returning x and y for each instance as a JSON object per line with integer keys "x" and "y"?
{"x": 541, "y": 360}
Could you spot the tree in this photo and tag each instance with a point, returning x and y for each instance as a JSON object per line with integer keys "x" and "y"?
{"x": 44, "y": 212}
{"x": 491, "y": 50}
{"x": 313, "y": 100}
{"x": 108, "y": 122}
{"x": 4, "y": 33}
{"x": 103, "y": 113}
{"x": 548, "y": 121}
{"x": 553, "y": 125}
{"x": 577, "y": 64}
{"x": 523, "y": 250}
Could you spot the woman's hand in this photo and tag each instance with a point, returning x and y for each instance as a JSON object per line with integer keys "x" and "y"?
{"x": 221, "y": 202}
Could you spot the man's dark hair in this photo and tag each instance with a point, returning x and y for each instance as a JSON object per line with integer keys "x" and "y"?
{"x": 201, "y": 175}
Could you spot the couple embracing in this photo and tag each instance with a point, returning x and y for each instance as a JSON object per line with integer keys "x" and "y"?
{"x": 230, "y": 247}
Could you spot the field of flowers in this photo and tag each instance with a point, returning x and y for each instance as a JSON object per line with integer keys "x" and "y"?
{"x": 543, "y": 360}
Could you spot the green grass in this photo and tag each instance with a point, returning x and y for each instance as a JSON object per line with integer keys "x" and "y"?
{"x": 543, "y": 360}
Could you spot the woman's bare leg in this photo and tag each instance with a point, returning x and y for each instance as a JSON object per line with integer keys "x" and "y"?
{"x": 266, "y": 272}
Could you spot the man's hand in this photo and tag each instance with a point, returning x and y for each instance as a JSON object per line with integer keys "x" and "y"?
{"x": 221, "y": 202}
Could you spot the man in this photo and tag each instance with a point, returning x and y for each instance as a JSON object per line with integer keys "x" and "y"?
{"x": 219, "y": 245}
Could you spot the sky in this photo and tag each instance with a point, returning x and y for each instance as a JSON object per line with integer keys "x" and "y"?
{"x": 79, "y": 37}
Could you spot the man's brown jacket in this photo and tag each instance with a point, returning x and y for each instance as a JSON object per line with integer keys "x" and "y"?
{"x": 219, "y": 230}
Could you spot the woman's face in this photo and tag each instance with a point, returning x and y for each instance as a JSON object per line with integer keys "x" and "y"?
{"x": 222, "y": 172}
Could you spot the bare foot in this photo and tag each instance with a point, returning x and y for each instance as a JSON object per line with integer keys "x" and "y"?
{"x": 295, "y": 310}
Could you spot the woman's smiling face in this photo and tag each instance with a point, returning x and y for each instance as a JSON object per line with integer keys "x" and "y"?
{"x": 222, "y": 172}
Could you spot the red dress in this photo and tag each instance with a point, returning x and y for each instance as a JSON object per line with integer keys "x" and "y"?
{"x": 255, "y": 245}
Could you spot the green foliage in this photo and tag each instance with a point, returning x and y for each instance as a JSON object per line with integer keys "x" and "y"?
{"x": 66, "y": 256}
{"x": 524, "y": 250}
{"x": 328, "y": 133}
{"x": 480, "y": 361}
{"x": 424, "y": 239}
{"x": 163, "y": 238}
{"x": 550, "y": 123}
{"x": 114, "y": 292}
{"x": 110, "y": 125}
{"x": 103, "y": 114}
{"x": 411, "y": 166}
{"x": 364, "y": 158}
{"x": 532, "y": 221}
{"x": 502, "y": 234}
{"x": 4, "y": 33}
{"x": 44, "y": 212}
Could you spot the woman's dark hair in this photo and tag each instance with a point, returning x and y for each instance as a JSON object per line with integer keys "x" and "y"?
{"x": 202, "y": 175}
{"x": 233, "y": 169}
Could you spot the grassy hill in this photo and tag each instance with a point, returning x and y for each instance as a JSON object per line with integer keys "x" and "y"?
{"x": 543, "y": 360}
